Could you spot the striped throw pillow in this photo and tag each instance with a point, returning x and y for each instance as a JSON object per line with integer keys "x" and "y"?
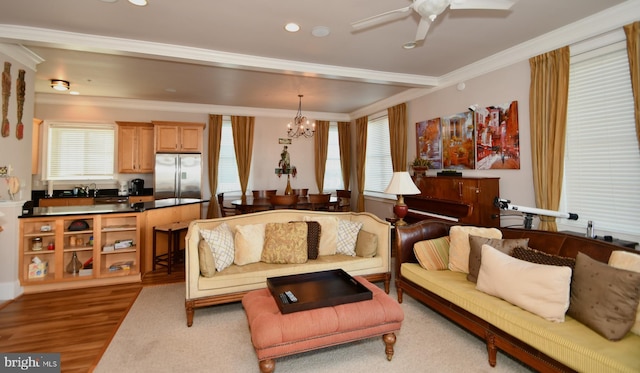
{"x": 433, "y": 254}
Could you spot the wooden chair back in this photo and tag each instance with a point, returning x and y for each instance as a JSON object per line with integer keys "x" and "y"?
{"x": 344, "y": 200}
{"x": 225, "y": 210}
{"x": 263, "y": 193}
{"x": 301, "y": 192}
{"x": 319, "y": 202}
{"x": 280, "y": 201}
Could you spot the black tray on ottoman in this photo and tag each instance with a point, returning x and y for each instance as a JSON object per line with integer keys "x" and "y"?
{"x": 317, "y": 289}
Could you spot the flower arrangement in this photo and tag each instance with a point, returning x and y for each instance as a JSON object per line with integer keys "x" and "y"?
{"x": 284, "y": 165}
{"x": 421, "y": 163}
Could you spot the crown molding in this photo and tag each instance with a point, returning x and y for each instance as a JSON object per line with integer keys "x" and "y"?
{"x": 21, "y": 54}
{"x": 111, "y": 45}
{"x": 177, "y": 107}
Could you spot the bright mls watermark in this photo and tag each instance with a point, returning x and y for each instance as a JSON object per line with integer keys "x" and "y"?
{"x": 29, "y": 362}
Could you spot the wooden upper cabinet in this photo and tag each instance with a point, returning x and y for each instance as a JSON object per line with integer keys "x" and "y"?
{"x": 178, "y": 137}
{"x": 135, "y": 147}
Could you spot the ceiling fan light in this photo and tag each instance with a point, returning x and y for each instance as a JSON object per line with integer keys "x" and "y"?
{"x": 60, "y": 85}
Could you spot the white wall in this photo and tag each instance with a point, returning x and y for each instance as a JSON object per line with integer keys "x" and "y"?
{"x": 499, "y": 87}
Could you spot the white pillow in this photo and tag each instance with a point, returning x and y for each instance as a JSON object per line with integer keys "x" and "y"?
{"x": 347, "y": 236}
{"x": 459, "y": 247}
{"x": 249, "y": 240}
{"x": 631, "y": 262}
{"x": 328, "y": 233}
{"x": 220, "y": 240}
{"x": 538, "y": 288}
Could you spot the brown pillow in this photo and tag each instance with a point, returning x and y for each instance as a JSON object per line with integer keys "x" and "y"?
{"x": 205, "y": 259}
{"x": 475, "y": 253}
{"x": 604, "y": 298}
{"x": 539, "y": 257}
{"x": 366, "y": 244}
{"x": 285, "y": 243}
{"x": 313, "y": 239}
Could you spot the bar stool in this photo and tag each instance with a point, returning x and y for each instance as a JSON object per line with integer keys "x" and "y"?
{"x": 172, "y": 230}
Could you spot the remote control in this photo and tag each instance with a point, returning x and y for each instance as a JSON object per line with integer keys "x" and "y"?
{"x": 292, "y": 298}
{"x": 284, "y": 298}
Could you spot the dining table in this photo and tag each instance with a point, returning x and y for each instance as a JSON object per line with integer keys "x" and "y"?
{"x": 248, "y": 204}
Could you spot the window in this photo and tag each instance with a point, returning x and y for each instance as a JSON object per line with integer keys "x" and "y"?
{"x": 602, "y": 164}
{"x": 333, "y": 168}
{"x": 80, "y": 151}
{"x": 378, "y": 167}
{"x": 228, "y": 179}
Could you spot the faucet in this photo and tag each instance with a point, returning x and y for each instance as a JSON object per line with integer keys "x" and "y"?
{"x": 95, "y": 189}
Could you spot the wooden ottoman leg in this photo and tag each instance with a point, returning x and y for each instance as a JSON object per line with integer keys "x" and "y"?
{"x": 389, "y": 340}
{"x": 267, "y": 366}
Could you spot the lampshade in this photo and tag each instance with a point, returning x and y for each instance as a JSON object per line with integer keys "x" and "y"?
{"x": 402, "y": 184}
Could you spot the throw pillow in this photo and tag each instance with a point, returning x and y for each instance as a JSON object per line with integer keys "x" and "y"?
{"x": 540, "y": 289}
{"x": 329, "y": 233}
{"x": 205, "y": 259}
{"x": 433, "y": 254}
{"x": 475, "y": 253}
{"x": 366, "y": 244}
{"x": 249, "y": 240}
{"x": 604, "y": 298}
{"x": 313, "y": 239}
{"x": 631, "y": 262}
{"x": 347, "y": 237}
{"x": 220, "y": 240}
{"x": 540, "y": 257}
{"x": 459, "y": 248}
{"x": 285, "y": 243}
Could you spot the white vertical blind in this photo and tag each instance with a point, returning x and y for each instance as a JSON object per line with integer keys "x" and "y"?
{"x": 378, "y": 168}
{"x": 333, "y": 168}
{"x": 228, "y": 179}
{"x": 602, "y": 160}
{"x": 78, "y": 151}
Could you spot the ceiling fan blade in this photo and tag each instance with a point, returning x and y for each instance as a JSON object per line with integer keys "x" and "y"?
{"x": 391, "y": 15}
{"x": 423, "y": 28}
{"x": 482, "y": 4}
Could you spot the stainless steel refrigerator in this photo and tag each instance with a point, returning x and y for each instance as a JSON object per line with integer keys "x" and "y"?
{"x": 178, "y": 176}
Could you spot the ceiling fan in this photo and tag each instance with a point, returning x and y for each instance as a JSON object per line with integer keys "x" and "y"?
{"x": 428, "y": 11}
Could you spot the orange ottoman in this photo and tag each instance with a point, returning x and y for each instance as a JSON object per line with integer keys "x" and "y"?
{"x": 276, "y": 335}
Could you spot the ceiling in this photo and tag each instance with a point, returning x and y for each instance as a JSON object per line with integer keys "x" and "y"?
{"x": 237, "y": 53}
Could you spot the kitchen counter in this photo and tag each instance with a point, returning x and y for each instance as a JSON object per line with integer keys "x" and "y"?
{"x": 111, "y": 208}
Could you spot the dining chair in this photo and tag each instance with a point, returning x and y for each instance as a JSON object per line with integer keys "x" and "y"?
{"x": 225, "y": 210}
{"x": 301, "y": 192}
{"x": 344, "y": 200}
{"x": 266, "y": 193}
{"x": 319, "y": 202}
{"x": 283, "y": 201}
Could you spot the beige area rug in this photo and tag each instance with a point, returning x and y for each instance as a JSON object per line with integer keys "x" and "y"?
{"x": 154, "y": 337}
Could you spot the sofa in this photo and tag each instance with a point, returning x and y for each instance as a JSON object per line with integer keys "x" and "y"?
{"x": 247, "y": 249}
{"x": 586, "y": 283}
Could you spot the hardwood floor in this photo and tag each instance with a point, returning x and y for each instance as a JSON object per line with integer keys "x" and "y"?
{"x": 79, "y": 324}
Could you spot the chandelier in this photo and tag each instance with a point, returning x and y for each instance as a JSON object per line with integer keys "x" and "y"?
{"x": 300, "y": 125}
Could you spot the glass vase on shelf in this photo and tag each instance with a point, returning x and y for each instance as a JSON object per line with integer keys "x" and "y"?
{"x": 75, "y": 265}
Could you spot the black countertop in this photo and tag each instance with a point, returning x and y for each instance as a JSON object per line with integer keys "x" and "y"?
{"x": 110, "y": 208}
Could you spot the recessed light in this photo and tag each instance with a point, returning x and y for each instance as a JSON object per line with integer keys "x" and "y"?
{"x": 320, "y": 31}
{"x": 138, "y": 2}
{"x": 409, "y": 45}
{"x": 292, "y": 27}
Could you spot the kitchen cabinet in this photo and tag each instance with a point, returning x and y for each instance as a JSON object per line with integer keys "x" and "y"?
{"x": 135, "y": 147}
{"x": 65, "y": 201}
{"x": 178, "y": 137}
{"x": 59, "y": 244}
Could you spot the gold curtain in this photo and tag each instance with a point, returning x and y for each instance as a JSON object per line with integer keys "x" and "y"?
{"x": 242, "y": 128}
{"x": 215, "y": 135}
{"x": 398, "y": 136}
{"x": 548, "y": 96}
{"x": 320, "y": 145}
{"x": 361, "y": 156}
{"x": 344, "y": 141}
{"x": 632, "y": 31}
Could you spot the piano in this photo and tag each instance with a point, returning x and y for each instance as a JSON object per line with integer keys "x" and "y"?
{"x": 422, "y": 208}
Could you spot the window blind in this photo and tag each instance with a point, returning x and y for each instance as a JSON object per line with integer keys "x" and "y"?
{"x": 228, "y": 179}
{"x": 80, "y": 151}
{"x": 602, "y": 162}
{"x": 333, "y": 168}
{"x": 378, "y": 168}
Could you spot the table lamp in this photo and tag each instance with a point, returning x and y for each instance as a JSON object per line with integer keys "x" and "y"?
{"x": 400, "y": 185}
